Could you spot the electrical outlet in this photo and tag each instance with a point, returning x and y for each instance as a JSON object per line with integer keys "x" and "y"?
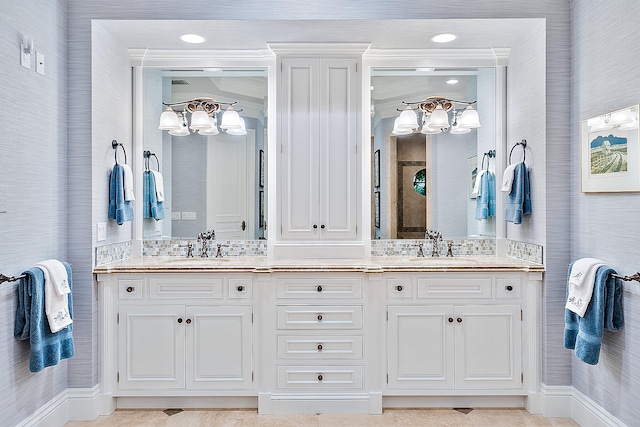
{"x": 189, "y": 215}
{"x": 40, "y": 63}
{"x": 102, "y": 231}
{"x": 176, "y": 216}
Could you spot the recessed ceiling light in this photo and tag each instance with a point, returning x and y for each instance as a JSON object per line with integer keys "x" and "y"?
{"x": 444, "y": 38}
{"x": 192, "y": 38}
{"x": 452, "y": 81}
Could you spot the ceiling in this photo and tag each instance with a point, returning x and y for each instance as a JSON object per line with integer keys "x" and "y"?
{"x": 380, "y": 34}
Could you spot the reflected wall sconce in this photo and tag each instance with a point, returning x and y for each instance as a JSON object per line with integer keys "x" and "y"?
{"x": 435, "y": 117}
{"x": 203, "y": 118}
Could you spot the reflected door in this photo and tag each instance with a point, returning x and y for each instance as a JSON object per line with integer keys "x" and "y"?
{"x": 230, "y": 182}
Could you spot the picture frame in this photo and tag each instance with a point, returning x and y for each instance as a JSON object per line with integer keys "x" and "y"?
{"x": 376, "y": 169}
{"x": 261, "y": 209}
{"x": 609, "y": 152}
{"x": 472, "y": 171}
{"x": 376, "y": 202}
{"x": 261, "y": 170}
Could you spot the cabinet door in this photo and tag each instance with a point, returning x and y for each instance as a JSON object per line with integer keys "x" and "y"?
{"x": 338, "y": 142}
{"x": 151, "y": 347}
{"x": 488, "y": 347}
{"x": 219, "y": 348}
{"x": 299, "y": 133}
{"x": 421, "y": 347}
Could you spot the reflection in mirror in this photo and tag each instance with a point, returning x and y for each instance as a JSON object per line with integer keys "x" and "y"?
{"x": 214, "y": 178}
{"x": 449, "y": 159}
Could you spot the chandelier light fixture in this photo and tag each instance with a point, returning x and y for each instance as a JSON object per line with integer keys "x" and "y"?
{"x": 203, "y": 118}
{"x": 435, "y": 117}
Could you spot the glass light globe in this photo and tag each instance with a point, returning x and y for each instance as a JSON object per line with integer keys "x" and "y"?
{"x": 169, "y": 120}
{"x": 439, "y": 118}
{"x": 400, "y": 131}
{"x": 200, "y": 120}
{"x": 469, "y": 118}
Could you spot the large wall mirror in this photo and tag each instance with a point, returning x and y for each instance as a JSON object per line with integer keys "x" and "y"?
{"x": 425, "y": 181}
{"x": 212, "y": 180}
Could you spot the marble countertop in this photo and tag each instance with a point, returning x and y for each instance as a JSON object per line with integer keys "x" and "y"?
{"x": 266, "y": 265}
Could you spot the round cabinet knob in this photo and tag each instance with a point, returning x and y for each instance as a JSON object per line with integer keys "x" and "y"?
{"x": 319, "y": 317}
{"x": 459, "y": 319}
{"x": 240, "y": 288}
{"x": 320, "y": 377}
{"x": 322, "y": 226}
{"x": 315, "y": 225}
{"x": 129, "y": 289}
{"x": 319, "y": 347}
{"x": 319, "y": 288}
{"x": 509, "y": 288}
{"x": 188, "y": 321}
{"x": 399, "y": 288}
{"x": 450, "y": 319}
{"x": 179, "y": 319}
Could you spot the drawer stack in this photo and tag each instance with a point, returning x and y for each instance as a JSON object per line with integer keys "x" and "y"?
{"x": 319, "y": 334}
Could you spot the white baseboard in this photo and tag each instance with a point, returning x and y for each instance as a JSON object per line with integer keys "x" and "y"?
{"x": 89, "y": 403}
{"x": 54, "y": 413}
{"x": 567, "y": 402}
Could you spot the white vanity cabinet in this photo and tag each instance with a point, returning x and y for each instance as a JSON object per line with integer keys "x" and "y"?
{"x": 455, "y": 334}
{"x": 318, "y": 167}
{"x": 180, "y": 334}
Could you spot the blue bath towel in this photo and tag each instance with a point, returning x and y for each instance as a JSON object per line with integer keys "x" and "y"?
{"x": 152, "y": 207}
{"x": 584, "y": 334}
{"x": 31, "y": 323}
{"x": 119, "y": 209}
{"x": 518, "y": 201}
{"x": 486, "y": 200}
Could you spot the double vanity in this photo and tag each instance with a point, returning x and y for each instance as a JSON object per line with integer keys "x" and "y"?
{"x": 343, "y": 335}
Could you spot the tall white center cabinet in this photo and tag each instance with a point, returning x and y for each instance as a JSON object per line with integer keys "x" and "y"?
{"x": 319, "y": 148}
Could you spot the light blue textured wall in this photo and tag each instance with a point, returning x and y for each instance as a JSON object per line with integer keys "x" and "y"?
{"x": 32, "y": 185}
{"x": 606, "y": 58}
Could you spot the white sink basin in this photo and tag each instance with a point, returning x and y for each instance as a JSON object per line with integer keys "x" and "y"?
{"x": 444, "y": 261}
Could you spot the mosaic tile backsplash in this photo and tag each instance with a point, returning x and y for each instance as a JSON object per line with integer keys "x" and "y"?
{"x": 113, "y": 252}
{"x": 409, "y": 247}
{"x": 249, "y": 248}
{"x": 525, "y": 251}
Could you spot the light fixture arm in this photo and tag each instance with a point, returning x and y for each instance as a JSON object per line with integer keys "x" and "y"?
{"x": 209, "y": 105}
{"x": 430, "y": 103}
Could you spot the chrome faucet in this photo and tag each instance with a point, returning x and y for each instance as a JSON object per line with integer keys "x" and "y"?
{"x": 189, "y": 250}
{"x": 436, "y": 238}
{"x": 420, "y": 253}
{"x": 204, "y": 237}
{"x": 219, "y": 250}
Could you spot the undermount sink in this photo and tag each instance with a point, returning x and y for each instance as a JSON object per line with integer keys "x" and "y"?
{"x": 197, "y": 261}
{"x": 444, "y": 260}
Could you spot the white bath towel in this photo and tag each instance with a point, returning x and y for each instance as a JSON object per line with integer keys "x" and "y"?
{"x": 159, "y": 185}
{"x": 56, "y": 288}
{"x": 476, "y": 187}
{"x": 507, "y": 178}
{"x": 128, "y": 183}
{"x": 580, "y": 284}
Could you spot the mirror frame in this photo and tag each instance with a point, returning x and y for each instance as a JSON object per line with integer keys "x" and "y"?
{"x": 185, "y": 59}
{"x": 439, "y": 58}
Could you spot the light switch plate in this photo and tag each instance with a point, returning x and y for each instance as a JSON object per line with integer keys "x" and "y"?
{"x": 188, "y": 215}
{"x": 102, "y": 231}
{"x": 25, "y": 58}
{"x": 40, "y": 63}
{"x": 176, "y": 216}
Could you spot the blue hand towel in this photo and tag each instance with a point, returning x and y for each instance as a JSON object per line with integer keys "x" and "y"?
{"x": 486, "y": 200}
{"x": 47, "y": 348}
{"x": 119, "y": 209}
{"x": 518, "y": 201}
{"x": 584, "y": 334}
{"x": 152, "y": 207}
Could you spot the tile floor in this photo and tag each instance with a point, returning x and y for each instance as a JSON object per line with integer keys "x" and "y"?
{"x": 389, "y": 418}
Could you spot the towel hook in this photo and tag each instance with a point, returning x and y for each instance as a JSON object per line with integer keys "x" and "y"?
{"x": 522, "y": 143}
{"x": 115, "y": 144}
{"x": 147, "y": 155}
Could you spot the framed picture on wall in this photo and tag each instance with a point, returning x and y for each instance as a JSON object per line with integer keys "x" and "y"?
{"x": 376, "y": 169}
{"x": 261, "y": 171}
{"x": 376, "y": 202}
{"x": 609, "y": 152}
{"x": 472, "y": 168}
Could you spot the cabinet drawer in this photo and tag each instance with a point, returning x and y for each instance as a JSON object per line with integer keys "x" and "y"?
{"x": 319, "y": 317}
{"x": 185, "y": 287}
{"x": 319, "y": 377}
{"x": 240, "y": 288}
{"x": 508, "y": 288}
{"x": 400, "y": 288}
{"x": 454, "y": 288}
{"x": 321, "y": 347}
{"x": 349, "y": 288}
{"x": 130, "y": 289}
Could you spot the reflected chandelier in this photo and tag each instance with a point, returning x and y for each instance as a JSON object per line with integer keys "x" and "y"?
{"x": 435, "y": 117}
{"x": 203, "y": 118}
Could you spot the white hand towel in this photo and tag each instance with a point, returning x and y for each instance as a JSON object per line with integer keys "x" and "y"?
{"x": 507, "y": 178}
{"x": 476, "y": 187}
{"x": 128, "y": 183}
{"x": 157, "y": 176}
{"x": 581, "y": 281}
{"x": 56, "y": 304}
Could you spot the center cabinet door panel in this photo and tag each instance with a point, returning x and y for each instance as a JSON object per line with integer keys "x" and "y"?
{"x": 318, "y": 155}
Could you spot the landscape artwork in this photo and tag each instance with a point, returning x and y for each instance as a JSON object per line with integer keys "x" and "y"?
{"x": 608, "y": 154}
